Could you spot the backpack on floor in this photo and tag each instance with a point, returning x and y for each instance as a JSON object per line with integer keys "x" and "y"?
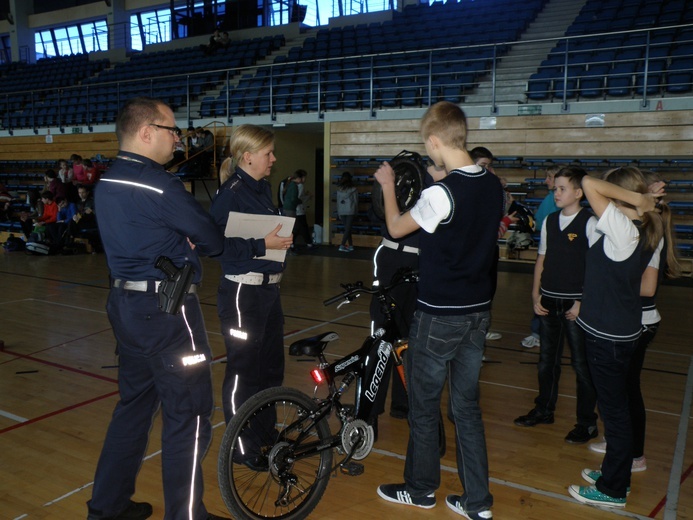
{"x": 38, "y": 248}
{"x": 14, "y": 243}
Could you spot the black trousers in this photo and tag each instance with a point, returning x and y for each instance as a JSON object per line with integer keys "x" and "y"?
{"x": 252, "y": 324}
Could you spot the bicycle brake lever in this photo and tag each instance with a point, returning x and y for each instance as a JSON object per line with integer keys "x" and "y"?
{"x": 345, "y": 302}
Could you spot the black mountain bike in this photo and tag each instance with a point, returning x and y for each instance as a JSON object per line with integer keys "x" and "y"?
{"x": 276, "y": 456}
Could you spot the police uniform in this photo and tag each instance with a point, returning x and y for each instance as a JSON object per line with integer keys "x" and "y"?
{"x": 248, "y": 303}
{"x": 144, "y": 212}
{"x": 390, "y": 256}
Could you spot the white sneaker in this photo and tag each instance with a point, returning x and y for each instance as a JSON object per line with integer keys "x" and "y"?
{"x": 639, "y": 465}
{"x": 598, "y": 447}
{"x": 493, "y": 336}
{"x": 531, "y": 342}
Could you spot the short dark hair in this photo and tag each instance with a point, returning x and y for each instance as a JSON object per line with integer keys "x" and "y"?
{"x": 50, "y": 173}
{"x": 574, "y": 174}
{"x": 300, "y": 174}
{"x": 135, "y": 113}
{"x": 479, "y": 152}
{"x": 47, "y": 195}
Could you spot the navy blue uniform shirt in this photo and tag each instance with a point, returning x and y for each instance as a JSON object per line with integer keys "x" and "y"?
{"x": 243, "y": 194}
{"x": 145, "y": 212}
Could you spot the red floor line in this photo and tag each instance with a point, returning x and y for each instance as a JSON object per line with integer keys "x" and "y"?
{"x": 65, "y": 343}
{"x": 62, "y": 367}
{"x": 662, "y": 502}
{"x": 56, "y": 412}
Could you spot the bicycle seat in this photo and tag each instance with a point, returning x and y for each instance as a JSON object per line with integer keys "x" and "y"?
{"x": 313, "y": 346}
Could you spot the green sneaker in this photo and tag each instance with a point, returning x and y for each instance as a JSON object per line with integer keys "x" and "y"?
{"x": 592, "y": 496}
{"x": 592, "y": 475}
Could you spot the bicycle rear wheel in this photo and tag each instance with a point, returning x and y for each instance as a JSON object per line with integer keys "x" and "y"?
{"x": 271, "y": 472}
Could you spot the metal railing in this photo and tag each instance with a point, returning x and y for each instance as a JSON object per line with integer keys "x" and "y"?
{"x": 621, "y": 65}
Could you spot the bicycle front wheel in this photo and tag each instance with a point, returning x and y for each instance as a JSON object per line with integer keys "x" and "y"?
{"x": 269, "y": 462}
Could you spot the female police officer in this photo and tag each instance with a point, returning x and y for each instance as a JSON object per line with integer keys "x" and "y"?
{"x": 145, "y": 214}
{"x": 252, "y": 322}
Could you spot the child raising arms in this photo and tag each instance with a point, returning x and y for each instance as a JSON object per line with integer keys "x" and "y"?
{"x": 610, "y": 315}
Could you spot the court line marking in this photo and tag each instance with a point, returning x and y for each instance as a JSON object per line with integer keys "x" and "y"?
{"x": 673, "y": 486}
{"x": 13, "y": 417}
{"x": 57, "y": 412}
{"x": 59, "y": 304}
{"x": 443, "y": 467}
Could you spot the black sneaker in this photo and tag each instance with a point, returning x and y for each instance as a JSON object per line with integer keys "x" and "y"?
{"x": 533, "y": 418}
{"x": 581, "y": 434}
{"x": 398, "y": 494}
{"x": 454, "y": 503}
{"x": 134, "y": 511}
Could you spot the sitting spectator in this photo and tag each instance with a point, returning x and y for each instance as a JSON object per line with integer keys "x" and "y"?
{"x": 55, "y": 185}
{"x": 225, "y": 40}
{"x": 5, "y": 202}
{"x": 26, "y": 218}
{"x": 83, "y": 223}
{"x": 215, "y": 42}
{"x": 79, "y": 174}
{"x": 65, "y": 173}
{"x": 55, "y": 231}
{"x": 49, "y": 216}
{"x": 90, "y": 172}
{"x": 85, "y": 216}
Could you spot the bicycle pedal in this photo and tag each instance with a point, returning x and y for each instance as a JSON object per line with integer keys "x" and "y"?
{"x": 353, "y": 469}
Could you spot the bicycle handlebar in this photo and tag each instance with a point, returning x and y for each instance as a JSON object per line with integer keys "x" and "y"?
{"x": 354, "y": 290}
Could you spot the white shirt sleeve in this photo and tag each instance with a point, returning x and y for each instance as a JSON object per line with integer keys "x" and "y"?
{"x": 620, "y": 234}
{"x": 592, "y": 234}
{"x": 432, "y": 208}
{"x": 654, "y": 261}
{"x": 541, "y": 250}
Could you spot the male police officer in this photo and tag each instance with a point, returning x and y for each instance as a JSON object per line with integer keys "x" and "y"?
{"x": 144, "y": 214}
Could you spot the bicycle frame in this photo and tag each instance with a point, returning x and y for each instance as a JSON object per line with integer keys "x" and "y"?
{"x": 283, "y": 473}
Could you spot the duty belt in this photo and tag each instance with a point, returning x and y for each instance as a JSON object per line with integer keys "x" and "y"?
{"x": 391, "y": 244}
{"x": 255, "y": 278}
{"x": 144, "y": 285}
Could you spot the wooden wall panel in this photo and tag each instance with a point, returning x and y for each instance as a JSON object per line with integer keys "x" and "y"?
{"x": 633, "y": 135}
{"x": 13, "y": 148}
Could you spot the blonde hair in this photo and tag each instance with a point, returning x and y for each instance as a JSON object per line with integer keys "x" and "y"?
{"x": 447, "y": 122}
{"x": 673, "y": 267}
{"x": 632, "y": 179}
{"x": 249, "y": 138}
{"x": 226, "y": 170}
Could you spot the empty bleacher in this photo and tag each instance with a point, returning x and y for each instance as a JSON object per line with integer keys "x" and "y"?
{"x": 613, "y": 49}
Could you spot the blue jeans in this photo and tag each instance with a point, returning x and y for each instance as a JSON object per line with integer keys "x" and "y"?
{"x": 441, "y": 347}
{"x": 554, "y": 328}
{"x": 609, "y": 364}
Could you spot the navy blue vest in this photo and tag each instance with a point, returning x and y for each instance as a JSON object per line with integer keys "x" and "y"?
{"x": 611, "y": 306}
{"x": 456, "y": 262}
{"x": 564, "y": 262}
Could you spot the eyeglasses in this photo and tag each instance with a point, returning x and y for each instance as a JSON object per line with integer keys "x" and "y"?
{"x": 175, "y": 131}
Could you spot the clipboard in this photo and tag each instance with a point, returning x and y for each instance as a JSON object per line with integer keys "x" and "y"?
{"x": 245, "y": 225}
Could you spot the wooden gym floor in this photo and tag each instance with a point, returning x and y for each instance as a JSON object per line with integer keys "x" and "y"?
{"x": 58, "y": 389}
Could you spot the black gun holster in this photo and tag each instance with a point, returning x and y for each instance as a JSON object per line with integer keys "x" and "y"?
{"x": 175, "y": 287}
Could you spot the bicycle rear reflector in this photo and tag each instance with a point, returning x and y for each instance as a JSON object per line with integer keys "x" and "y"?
{"x": 317, "y": 375}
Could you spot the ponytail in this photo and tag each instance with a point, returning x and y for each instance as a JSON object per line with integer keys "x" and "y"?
{"x": 673, "y": 267}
